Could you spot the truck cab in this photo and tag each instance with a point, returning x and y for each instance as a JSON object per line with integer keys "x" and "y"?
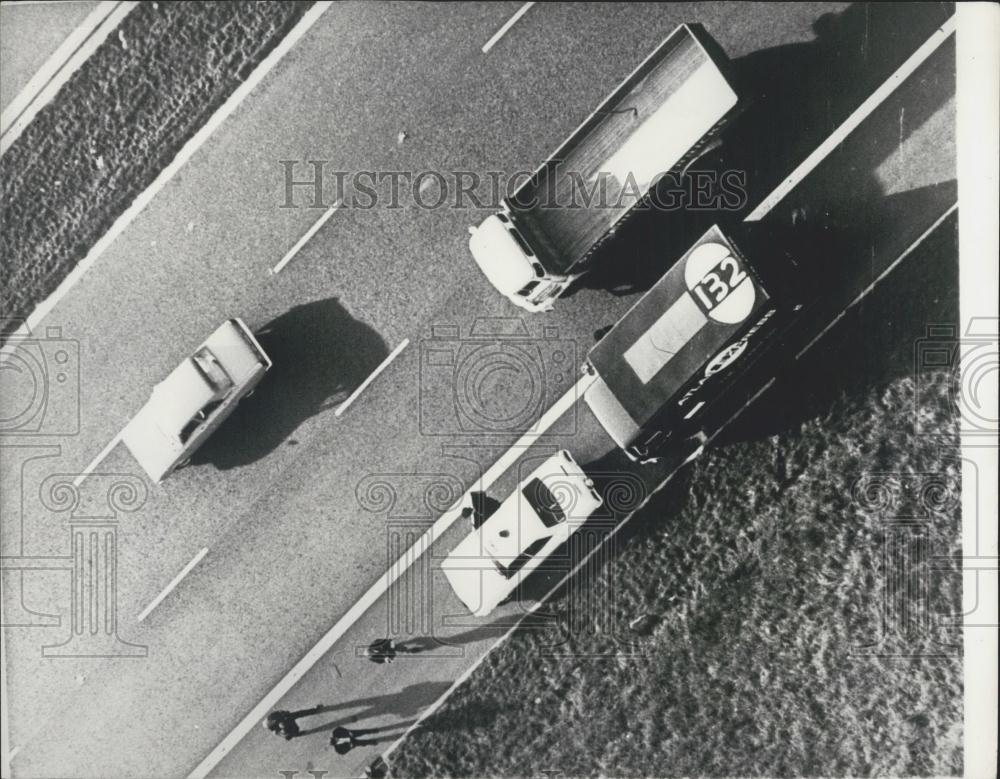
{"x": 671, "y": 109}
{"x": 510, "y": 265}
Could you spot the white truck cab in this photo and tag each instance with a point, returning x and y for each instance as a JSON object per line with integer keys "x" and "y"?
{"x": 511, "y": 266}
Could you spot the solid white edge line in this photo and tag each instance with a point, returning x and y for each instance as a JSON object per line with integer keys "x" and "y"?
{"x": 97, "y": 460}
{"x": 507, "y": 25}
{"x": 380, "y": 587}
{"x": 71, "y": 66}
{"x": 857, "y": 117}
{"x": 867, "y": 290}
{"x": 197, "y": 140}
{"x": 173, "y": 583}
{"x": 305, "y": 238}
{"x": 978, "y": 121}
{"x": 56, "y": 60}
{"x": 374, "y": 375}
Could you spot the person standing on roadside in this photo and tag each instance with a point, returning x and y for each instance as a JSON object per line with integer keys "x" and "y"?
{"x": 342, "y": 740}
{"x": 481, "y": 508}
{"x": 284, "y": 723}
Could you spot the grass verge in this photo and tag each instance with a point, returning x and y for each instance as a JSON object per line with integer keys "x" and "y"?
{"x": 115, "y": 125}
{"x": 781, "y": 628}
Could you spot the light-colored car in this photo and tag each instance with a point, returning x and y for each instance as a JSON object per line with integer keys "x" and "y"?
{"x": 187, "y": 406}
{"x": 544, "y": 511}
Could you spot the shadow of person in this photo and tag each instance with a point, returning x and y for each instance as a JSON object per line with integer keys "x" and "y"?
{"x": 407, "y": 703}
{"x": 461, "y": 718}
{"x": 421, "y": 644}
{"x": 795, "y": 96}
{"x": 320, "y": 354}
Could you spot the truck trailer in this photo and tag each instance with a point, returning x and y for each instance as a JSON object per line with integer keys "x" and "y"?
{"x": 687, "y": 340}
{"x": 662, "y": 117}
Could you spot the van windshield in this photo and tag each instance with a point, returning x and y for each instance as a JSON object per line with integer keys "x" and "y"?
{"x": 543, "y": 502}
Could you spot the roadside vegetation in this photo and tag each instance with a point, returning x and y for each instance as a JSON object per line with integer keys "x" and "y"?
{"x": 115, "y": 125}
{"x": 749, "y": 623}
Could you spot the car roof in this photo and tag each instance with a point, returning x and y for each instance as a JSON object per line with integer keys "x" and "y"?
{"x": 180, "y": 396}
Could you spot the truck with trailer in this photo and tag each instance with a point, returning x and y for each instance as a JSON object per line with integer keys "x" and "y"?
{"x": 718, "y": 310}
{"x": 661, "y": 118}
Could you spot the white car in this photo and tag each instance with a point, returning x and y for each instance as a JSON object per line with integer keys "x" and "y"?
{"x": 544, "y": 511}
{"x": 188, "y": 405}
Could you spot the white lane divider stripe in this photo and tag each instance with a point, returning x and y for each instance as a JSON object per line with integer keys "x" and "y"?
{"x": 374, "y": 375}
{"x": 173, "y": 583}
{"x": 305, "y": 238}
{"x": 97, "y": 460}
{"x": 507, "y": 25}
{"x": 860, "y": 114}
{"x": 383, "y": 584}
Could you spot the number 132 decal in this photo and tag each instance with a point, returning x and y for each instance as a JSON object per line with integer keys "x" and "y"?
{"x": 716, "y": 284}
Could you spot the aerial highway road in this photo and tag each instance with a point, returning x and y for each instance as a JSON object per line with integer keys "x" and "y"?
{"x": 902, "y": 244}
{"x": 275, "y": 525}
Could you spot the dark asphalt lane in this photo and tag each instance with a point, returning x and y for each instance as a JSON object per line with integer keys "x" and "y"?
{"x": 290, "y": 547}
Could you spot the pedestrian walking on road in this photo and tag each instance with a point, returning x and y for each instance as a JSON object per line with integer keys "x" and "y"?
{"x": 342, "y": 740}
{"x": 381, "y": 651}
{"x": 482, "y": 508}
{"x": 282, "y": 723}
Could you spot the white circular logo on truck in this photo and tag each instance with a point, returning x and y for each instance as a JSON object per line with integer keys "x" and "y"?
{"x": 719, "y": 284}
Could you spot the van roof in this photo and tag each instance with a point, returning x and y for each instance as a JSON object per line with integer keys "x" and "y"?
{"x": 666, "y": 338}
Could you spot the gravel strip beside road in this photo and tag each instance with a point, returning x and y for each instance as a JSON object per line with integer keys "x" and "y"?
{"x": 114, "y": 126}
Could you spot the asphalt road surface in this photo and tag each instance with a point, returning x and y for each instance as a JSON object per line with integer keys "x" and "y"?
{"x": 282, "y": 497}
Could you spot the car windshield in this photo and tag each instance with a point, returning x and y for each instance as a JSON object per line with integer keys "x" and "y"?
{"x": 544, "y": 503}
